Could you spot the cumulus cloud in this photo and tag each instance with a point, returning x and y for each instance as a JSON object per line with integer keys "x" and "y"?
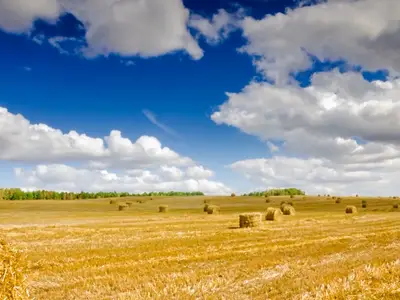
{"x": 319, "y": 176}
{"x": 39, "y": 143}
{"x": 67, "y": 178}
{"x": 199, "y": 172}
{"x": 339, "y": 133}
{"x": 128, "y": 28}
{"x": 112, "y": 163}
{"x": 17, "y": 16}
{"x": 340, "y": 125}
{"x": 218, "y": 27}
{"x": 361, "y": 32}
{"x": 132, "y": 27}
{"x": 334, "y": 105}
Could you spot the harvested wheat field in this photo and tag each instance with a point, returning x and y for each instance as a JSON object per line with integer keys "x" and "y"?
{"x": 83, "y": 249}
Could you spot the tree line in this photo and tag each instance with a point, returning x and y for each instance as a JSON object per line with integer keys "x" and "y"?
{"x": 18, "y": 194}
{"x": 277, "y": 192}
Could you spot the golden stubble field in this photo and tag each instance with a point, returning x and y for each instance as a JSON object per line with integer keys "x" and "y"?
{"x": 90, "y": 250}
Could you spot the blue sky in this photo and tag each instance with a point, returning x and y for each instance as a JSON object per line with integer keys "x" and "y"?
{"x": 75, "y": 85}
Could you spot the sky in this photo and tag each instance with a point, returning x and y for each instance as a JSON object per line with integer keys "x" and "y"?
{"x": 217, "y": 96}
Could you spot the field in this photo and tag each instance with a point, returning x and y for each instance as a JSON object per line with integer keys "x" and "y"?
{"x": 90, "y": 250}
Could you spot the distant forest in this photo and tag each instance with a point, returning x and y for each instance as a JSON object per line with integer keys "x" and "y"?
{"x": 277, "y": 192}
{"x": 18, "y": 194}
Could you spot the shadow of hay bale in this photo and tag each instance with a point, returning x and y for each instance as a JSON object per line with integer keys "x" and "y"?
{"x": 122, "y": 206}
{"x": 163, "y": 208}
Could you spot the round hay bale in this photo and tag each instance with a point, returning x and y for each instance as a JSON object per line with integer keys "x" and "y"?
{"x": 113, "y": 201}
{"x": 206, "y": 201}
{"x": 364, "y": 204}
{"x": 288, "y": 210}
{"x": 338, "y": 200}
{"x": 291, "y": 196}
{"x": 396, "y": 206}
{"x": 351, "y": 209}
{"x": 267, "y": 200}
{"x": 250, "y": 220}
{"x": 213, "y": 209}
{"x": 13, "y": 267}
{"x": 206, "y": 207}
{"x": 233, "y": 195}
{"x": 163, "y": 208}
{"x": 273, "y": 214}
{"x": 122, "y": 206}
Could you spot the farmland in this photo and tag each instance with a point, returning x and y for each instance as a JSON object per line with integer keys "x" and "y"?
{"x": 87, "y": 249}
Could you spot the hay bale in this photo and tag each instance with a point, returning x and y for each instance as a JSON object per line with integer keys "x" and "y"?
{"x": 13, "y": 267}
{"x": 113, "y": 201}
{"x": 283, "y": 203}
{"x": 273, "y": 214}
{"x": 250, "y": 220}
{"x": 206, "y": 207}
{"x": 267, "y": 200}
{"x": 206, "y": 201}
{"x": 213, "y": 209}
{"x": 163, "y": 208}
{"x": 351, "y": 209}
{"x": 364, "y": 204}
{"x": 122, "y": 206}
{"x": 233, "y": 195}
{"x": 338, "y": 200}
{"x": 396, "y": 206}
{"x": 288, "y": 210}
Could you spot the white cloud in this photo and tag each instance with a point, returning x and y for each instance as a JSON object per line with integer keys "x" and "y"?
{"x": 67, "y": 178}
{"x": 342, "y": 126}
{"x": 219, "y": 27}
{"x": 64, "y": 45}
{"x": 153, "y": 119}
{"x": 361, "y": 32}
{"x": 128, "y": 27}
{"x": 18, "y": 15}
{"x": 112, "y": 163}
{"x": 340, "y": 132}
{"x": 133, "y": 27}
{"x": 199, "y": 172}
{"x": 335, "y": 106}
{"x": 319, "y": 176}
{"x": 39, "y": 143}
